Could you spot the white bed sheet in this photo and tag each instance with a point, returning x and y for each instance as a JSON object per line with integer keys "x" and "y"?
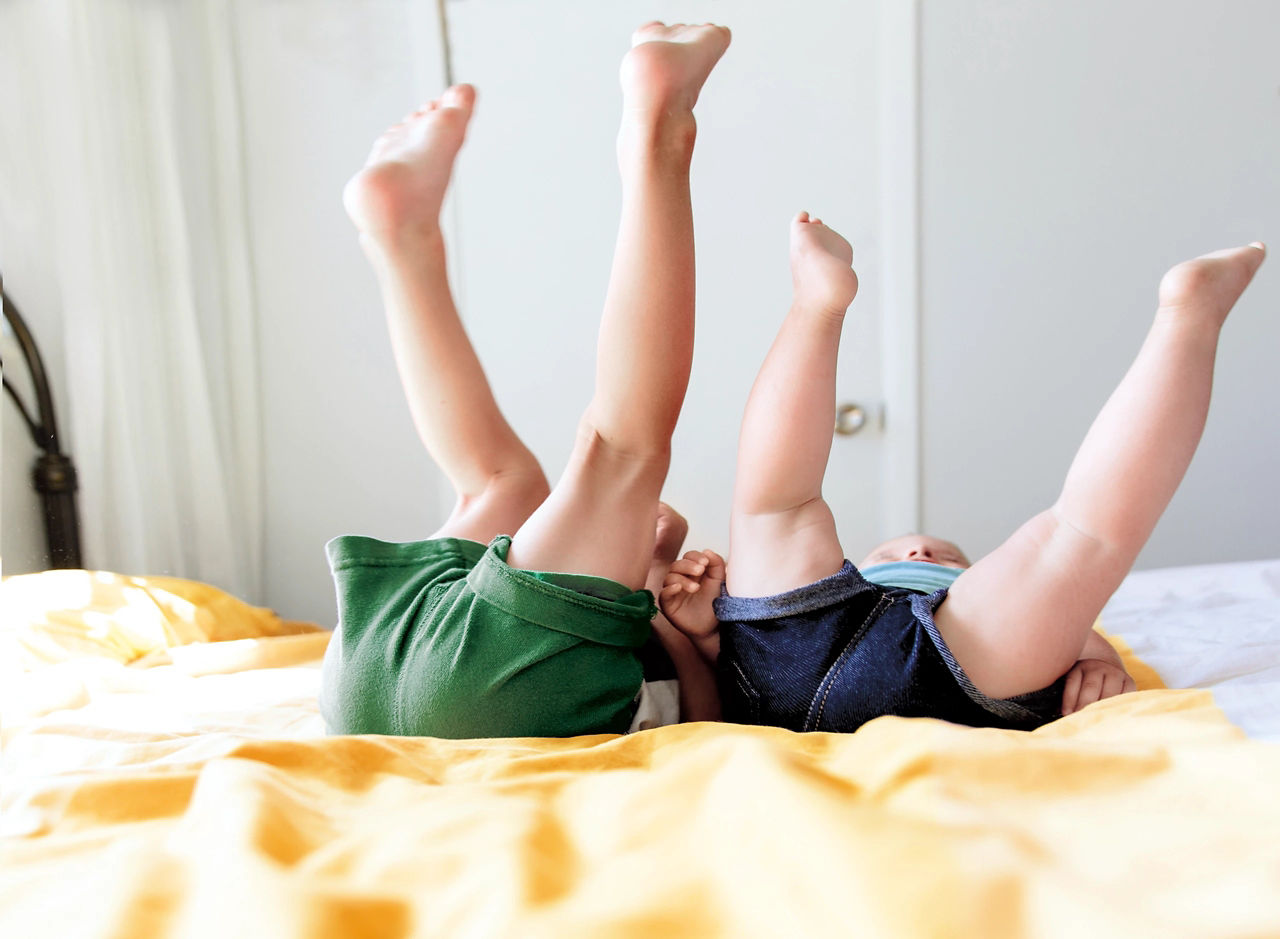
{"x": 1213, "y": 626}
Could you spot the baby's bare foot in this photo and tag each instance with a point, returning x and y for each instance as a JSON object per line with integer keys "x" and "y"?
{"x": 1205, "y": 289}
{"x": 669, "y": 534}
{"x": 668, "y": 65}
{"x": 821, "y": 273}
{"x": 670, "y": 530}
{"x": 401, "y": 187}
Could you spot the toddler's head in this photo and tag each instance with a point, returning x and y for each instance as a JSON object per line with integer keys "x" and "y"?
{"x": 916, "y": 548}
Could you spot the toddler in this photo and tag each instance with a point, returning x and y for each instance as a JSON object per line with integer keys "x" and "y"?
{"x": 477, "y": 631}
{"x": 803, "y": 639}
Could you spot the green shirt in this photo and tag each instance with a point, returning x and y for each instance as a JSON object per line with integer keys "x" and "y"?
{"x": 442, "y": 638}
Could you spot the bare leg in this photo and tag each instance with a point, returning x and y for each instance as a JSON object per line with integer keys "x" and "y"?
{"x": 395, "y": 202}
{"x": 782, "y": 534}
{"x": 1019, "y": 618}
{"x": 599, "y": 519}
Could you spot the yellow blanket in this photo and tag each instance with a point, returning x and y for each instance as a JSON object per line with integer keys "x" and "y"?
{"x": 1145, "y": 814}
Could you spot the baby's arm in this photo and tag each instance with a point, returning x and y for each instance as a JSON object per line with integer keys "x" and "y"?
{"x": 686, "y": 597}
{"x": 699, "y": 698}
{"x": 1099, "y": 673}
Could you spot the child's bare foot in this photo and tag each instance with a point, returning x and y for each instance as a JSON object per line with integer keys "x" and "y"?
{"x": 670, "y": 530}
{"x": 1207, "y": 287}
{"x": 401, "y": 187}
{"x": 669, "y": 534}
{"x": 668, "y": 65}
{"x": 821, "y": 275}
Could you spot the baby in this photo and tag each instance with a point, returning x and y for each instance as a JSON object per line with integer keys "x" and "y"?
{"x": 803, "y": 639}
{"x": 477, "y": 631}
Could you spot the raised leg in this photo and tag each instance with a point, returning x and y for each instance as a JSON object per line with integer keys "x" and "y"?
{"x": 782, "y": 534}
{"x": 599, "y": 519}
{"x": 395, "y": 202}
{"x": 1019, "y": 617}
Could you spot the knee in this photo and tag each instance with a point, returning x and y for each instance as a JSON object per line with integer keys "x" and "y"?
{"x": 521, "y": 485}
{"x": 513, "y": 492}
{"x": 630, "y": 451}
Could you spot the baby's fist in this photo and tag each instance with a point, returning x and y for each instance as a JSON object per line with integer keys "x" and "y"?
{"x": 688, "y": 590}
{"x": 1092, "y": 680}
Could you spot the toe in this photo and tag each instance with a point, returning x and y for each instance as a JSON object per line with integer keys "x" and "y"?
{"x": 647, "y": 31}
{"x": 1254, "y": 254}
{"x": 459, "y": 96}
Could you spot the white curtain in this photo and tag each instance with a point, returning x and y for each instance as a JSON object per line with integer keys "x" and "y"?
{"x": 139, "y": 141}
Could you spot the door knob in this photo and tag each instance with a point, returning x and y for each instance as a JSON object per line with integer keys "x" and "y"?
{"x": 850, "y": 418}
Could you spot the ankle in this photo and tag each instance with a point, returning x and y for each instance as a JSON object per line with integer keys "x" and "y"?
{"x": 1190, "y": 323}
{"x": 405, "y": 244}
{"x": 628, "y": 450}
{"x": 665, "y": 137}
{"x": 822, "y": 306}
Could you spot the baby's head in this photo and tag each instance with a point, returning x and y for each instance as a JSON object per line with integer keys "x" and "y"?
{"x": 916, "y": 548}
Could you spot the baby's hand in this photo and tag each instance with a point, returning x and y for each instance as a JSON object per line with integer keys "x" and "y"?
{"x": 1092, "y": 680}
{"x": 687, "y": 591}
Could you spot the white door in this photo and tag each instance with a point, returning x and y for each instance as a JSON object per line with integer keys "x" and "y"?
{"x": 788, "y": 121}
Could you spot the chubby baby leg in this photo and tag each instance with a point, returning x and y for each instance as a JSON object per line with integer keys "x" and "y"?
{"x": 782, "y": 534}
{"x": 1018, "y": 618}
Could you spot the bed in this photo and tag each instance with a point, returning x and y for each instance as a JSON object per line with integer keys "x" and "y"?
{"x": 165, "y": 773}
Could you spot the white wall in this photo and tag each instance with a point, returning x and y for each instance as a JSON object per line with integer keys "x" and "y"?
{"x": 322, "y": 79}
{"x": 1071, "y": 153}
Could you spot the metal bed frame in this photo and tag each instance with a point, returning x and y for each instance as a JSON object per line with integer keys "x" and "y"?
{"x": 53, "y": 474}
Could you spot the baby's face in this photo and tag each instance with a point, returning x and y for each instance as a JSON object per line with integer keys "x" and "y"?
{"x": 916, "y": 548}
